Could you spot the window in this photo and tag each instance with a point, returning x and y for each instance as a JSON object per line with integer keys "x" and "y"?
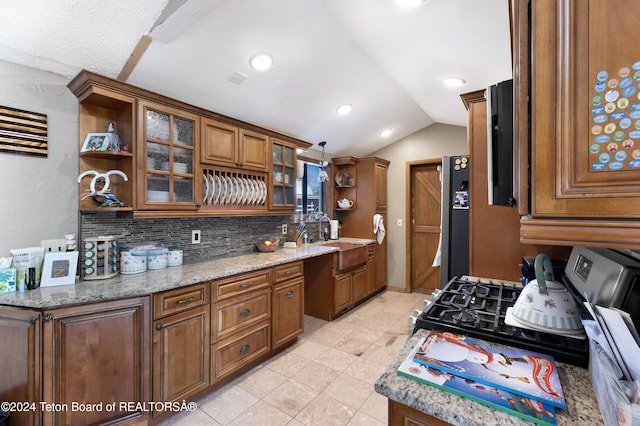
{"x": 309, "y": 192}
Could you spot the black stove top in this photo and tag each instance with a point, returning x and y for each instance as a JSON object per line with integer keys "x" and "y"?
{"x": 477, "y": 307}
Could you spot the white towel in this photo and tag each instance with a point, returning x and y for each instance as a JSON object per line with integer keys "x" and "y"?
{"x": 378, "y": 228}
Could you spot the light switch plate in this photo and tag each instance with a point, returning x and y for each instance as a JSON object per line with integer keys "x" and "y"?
{"x": 53, "y": 246}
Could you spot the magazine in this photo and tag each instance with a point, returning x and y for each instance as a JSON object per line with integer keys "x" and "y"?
{"x": 519, "y": 371}
{"x": 526, "y": 408}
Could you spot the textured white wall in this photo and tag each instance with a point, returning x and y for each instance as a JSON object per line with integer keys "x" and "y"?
{"x": 431, "y": 142}
{"x": 38, "y": 195}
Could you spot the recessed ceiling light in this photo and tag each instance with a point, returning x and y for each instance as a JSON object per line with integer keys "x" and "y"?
{"x": 386, "y": 133}
{"x": 344, "y": 109}
{"x": 409, "y": 3}
{"x": 454, "y": 81}
{"x": 261, "y": 61}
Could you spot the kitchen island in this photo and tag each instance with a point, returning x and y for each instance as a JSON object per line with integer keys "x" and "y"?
{"x": 425, "y": 404}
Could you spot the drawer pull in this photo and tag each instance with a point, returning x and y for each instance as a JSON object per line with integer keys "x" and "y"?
{"x": 159, "y": 326}
{"x": 245, "y": 349}
{"x": 246, "y": 285}
{"x": 245, "y": 312}
{"x": 288, "y": 273}
{"x": 289, "y": 294}
{"x": 183, "y": 301}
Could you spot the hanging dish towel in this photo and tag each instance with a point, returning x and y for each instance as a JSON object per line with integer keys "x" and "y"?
{"x": 378, "y": 228}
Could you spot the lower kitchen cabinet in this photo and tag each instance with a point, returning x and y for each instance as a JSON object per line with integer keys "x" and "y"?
{"x": 96, "y": 354}
{"x": 402, "y": 415}
{"x": 181, "y": 354}
{"x": 20, "y": 350}
{"x": 287, "y": 318}
{"x": 342, "y": 289}
{"x": 236, "y": 352}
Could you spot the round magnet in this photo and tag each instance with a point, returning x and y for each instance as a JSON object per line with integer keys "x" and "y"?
{"x": 624, "y": 72}
{"x": 596, "y": 130}
{"x": 603, "y": 138}
{"x": 604, "y": 157}
{"x": 602, "y": 76}
{"x": 626, "y": 82}
{"x": 623, "y": 103}
{"x": 611, "y": 95}
{"x": 616, "y": 165}
{"x": 625, "y": 123}
{"x": 600, "y": 86}
{"x": 635, "y": 134}
{"x": 618, "y": 115}
{"x": 613, "y": 83}
{"x": 620, "y": 156}
{"x": 627, "y": 144}
{"x": 634, "y": 115}
{"x": 619, "y": 136}
{"x": 629, "y": 91}
{"x": 634, "y": 164}
{"x": 612, "y": 147}
{"x": 636, "y": 75}
{"x": 599, "y": 119}
{"x": 610, "y": 107}
{"x": 636, "y": 154}
{"x": 610, "y": 128}
{"x": 594, "y": 148}
{"x": 598, "y": 166}
{"x": 597, "y": 110}
{"x": 596, "y": 101}
{"x": 636, "y": 65}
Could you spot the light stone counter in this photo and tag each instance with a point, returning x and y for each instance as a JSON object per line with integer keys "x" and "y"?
{"x": 154, "y": 281}
{"x": 582, "y": 407}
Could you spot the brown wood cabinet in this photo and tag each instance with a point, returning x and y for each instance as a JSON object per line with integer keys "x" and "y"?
{"x": 227, "y": 145}
{"x": 181, "y": 343}
{"x": 169, "y": 148}
{"x": 94, "y": 354}
{"x": 371, "y": 188}
{"x": 403, "y": 415}
{"x": 287, "y": 321}
{"x": 583, "y": 138}
{"x": 344, "y": 182}
{"x": 21, "y": 378}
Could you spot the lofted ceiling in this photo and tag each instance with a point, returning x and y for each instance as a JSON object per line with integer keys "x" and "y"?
{"x": 388, "y": 62}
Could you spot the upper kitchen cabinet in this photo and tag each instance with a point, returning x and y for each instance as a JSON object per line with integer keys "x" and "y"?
{"x": 229, "y": 146}
{"x": 98, "y": 106}
{"x": 583, "y": 68}
{"x": 283, "y": 175}
{"x": 166, "y": 166}
{"x": 344, "y": 183}
{"x": 179, "y": 160}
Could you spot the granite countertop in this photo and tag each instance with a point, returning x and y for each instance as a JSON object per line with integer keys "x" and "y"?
{"x": 582, "y": 407}
{"x": 154, "y": 281}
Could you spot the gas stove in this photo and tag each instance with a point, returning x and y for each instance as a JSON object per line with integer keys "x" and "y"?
{"x": 477, "y": 307}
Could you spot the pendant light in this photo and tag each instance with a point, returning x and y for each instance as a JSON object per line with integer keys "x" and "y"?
{"x": 323, "y": 176}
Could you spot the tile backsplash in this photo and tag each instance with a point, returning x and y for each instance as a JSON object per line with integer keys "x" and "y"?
{"x": 221, "y": 236}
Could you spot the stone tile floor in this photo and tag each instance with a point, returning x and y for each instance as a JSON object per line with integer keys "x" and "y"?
{"x": 326, "y": 378}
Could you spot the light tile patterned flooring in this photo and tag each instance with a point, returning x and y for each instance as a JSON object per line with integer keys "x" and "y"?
{"x": 326, "y": 378}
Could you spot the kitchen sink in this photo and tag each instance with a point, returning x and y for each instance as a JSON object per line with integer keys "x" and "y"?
{"x": 350, "y": 255}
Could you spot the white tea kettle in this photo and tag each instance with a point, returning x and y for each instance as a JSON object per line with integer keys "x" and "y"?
{"x": 546, "y": 305}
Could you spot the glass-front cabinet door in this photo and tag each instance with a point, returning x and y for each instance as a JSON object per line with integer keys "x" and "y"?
{"x": 167, "y": 165}
{"x": 283, "y": 175}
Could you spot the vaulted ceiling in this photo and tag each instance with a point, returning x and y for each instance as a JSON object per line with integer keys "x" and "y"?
{"x": 387, "y": 61}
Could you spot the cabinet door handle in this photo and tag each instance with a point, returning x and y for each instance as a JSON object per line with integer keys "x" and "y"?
{"x": 245, "y": 349}
{"x": 289, "y": 294}
{"x": 245, "y": 312}
{"x": 33, "y": 320}
{"x": 246, "y": 285}
{"x": 47, "y": 318}
{"x": 183, "y": 301}
{"x": 159, "y": 326}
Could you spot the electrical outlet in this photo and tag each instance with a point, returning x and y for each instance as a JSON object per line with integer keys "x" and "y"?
{"x": 53, "y": 246}
{"x": 196, "y": 236}
{"x": 399, "y": 222}
{"x": 284, "y": 229}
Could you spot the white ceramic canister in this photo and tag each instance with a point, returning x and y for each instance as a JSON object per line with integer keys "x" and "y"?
{"x": 174, "y": 256}
{"x": 157, "y": 258}
{"x": 131, "y": 264}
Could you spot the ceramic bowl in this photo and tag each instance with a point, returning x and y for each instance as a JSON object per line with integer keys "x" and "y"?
{"x": 273, "y": 245}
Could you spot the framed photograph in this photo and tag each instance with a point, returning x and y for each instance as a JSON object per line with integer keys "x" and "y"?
{"x": 59, "y": 268}
{"x": 95, "y": 142}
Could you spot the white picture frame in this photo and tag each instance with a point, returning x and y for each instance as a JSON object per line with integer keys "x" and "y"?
{"x": 59, "y": 268}
{"x": 95, "y": 142}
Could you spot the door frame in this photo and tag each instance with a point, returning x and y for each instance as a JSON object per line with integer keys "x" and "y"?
{"x": 409, "y": 225}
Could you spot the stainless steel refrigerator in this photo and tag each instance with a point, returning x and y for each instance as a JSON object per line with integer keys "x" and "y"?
{"x": 454, "y": 260}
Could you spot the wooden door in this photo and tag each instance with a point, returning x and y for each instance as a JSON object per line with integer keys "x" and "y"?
{"x": 381, "y": 186}
{"x": 219, "y": 143}
{"x": 359, "y": 284}
{"x": 425, "y": 206}
{"x": 288, "y": 311}
{"x": 94, "y": 354}
{"x": 253, "y": 150}
{"x": 181, "y": 349}
{"x": 342, "y": 292}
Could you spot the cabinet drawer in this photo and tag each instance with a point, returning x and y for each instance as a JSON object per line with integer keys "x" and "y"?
{"x": 180, "y": 299}
{"x": 235, "y": 352}
{"x": 240, "y": 312}
{"x": 240, "y": 284}
{"x": 372, "y": 250}
{"x": 288, "y": 271}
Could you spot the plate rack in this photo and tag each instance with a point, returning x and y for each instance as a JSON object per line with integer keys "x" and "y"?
{"x": 234, "y": 189}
